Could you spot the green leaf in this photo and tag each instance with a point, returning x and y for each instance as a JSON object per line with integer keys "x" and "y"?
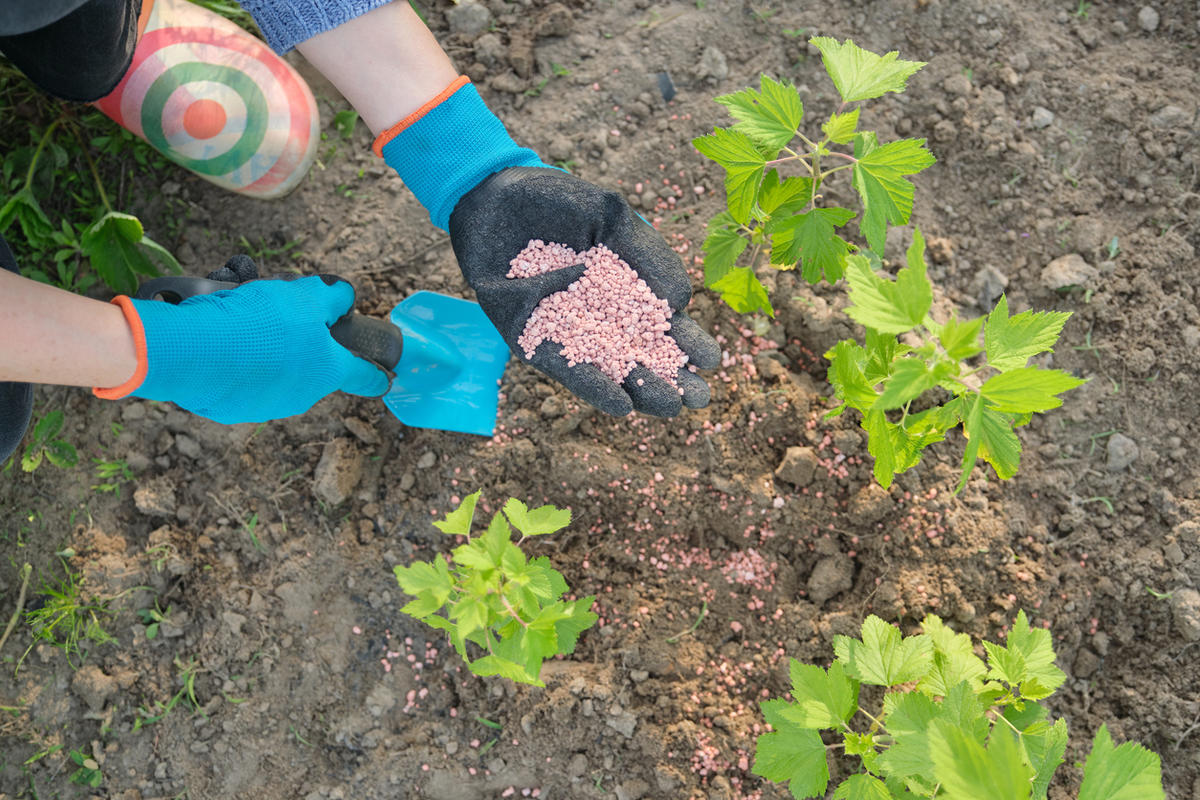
{"x": 990, "y": 437}
{"x": 458, "y": 521}
{"x": 1005, "y": 665}
{"x": 474, "y": 556}
{"x": 960, "y": 340}
{"x": 48, "y": 426}
{"x": 879, "y": 180}
{"x": 823, "y": 699}
{"x": 860, "y": 74}
{"x": 846, "y": 360}
{"x": 536, "y": 522}
{"x": 579, "y": 620}
{"x": 882, "y": 657}
{"x": 894, "y": 448}
{"x": 423, "y": 576}
{"x": 743, "y": 165}
{"x": 1011, "y": 341}
{"x": 954, "y": 659}
{"x": 24, "y": 209}
{"x": 908, "y": 723}
{"x": 969, "y": 772}
{"x": 841, "y": 127}
{"x": 791, "y": 754}
{"x": 784, "y": 197}
{"x": 494, "y": 665}
{"x": 909, "y": 379}
{"x": 161, "y": 254}
{"x": 1128, "y": 772}
{"x": 810, "y": 239}
{"x": 963, "y": 707}
{"x": 471, "y": 614}
{"x": 741, "y": 289}
{"x": 770, "y": 116}
{"x": 1022, "y": 390}
{"x": 722, "y": 247}
{"x": 496, "y": 538}
{"x": 882, "y": 350}
{"x": 111, "y": 244}
{"x": 862, "y": 787}
{"x": 1036, "y": 646}
{"x": 1045, "y": 753}
{"x": 892, "y": 307}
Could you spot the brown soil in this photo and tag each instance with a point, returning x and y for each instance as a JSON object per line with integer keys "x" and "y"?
{"x": 669, "y": 515}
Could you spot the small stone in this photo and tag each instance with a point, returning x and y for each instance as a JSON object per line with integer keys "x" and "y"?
{"x": 621, "y": 721}
{"x": 132, "y": 410}
{"x": 798, "y": 466}
{"x": 490, "y": 50}
{"x": 712, "y": 65}
{"x": 170, "y": 188}
{"x": 234, "y": 621}
{"x": 560, "y": 149}
{"x": 831, "y": 576}
{"x": 1122, "y": 451}
{"x": 1148, "y": 19}
{"x": 338, "y": 472}
{"x": 427, "y": 460}
{"x": 987, "y": 285}
{"x": 468, "y": 19}
{"x": 577, "y": 767}
{"x": 555, "y": 20}
{"x": 957, "y": 85}
{"x": 632, "y": 790}
{"x": 507, "y": 82}
{"x": 1090, "y": 233}
{"x": 1086, "y": 664}
{"x": 93, "y": 686}
{"x": 1041, "y": 118}
{"x": 380, "y": 700}
{"x": 1069, "y": 270}
{"x": 363, "y": 431}
{"x": 155, "y": 498}
{"x": 1185, "y": 610}
{"x": 1170, "y": 117}
{"x": 187, "y": 446}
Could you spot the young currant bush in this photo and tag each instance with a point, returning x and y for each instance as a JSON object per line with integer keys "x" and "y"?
{"x": 948, "y": 726}
{"x": 992, "y": 389}
{"x": 496, "y": 599}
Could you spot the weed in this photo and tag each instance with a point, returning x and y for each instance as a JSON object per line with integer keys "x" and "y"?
{"x": 65, "y": 620}
{"x": 982, "y": 363}
{"x": 45, "y": 443}
{"x": 1159, "y": 595}
{"x": 186, "y": 694}
{"x": 344, "y": 122}
{"x": 1099, "y": 499}
{"x": 1082, "y": 7}
{"x": 493, "y": 725}
{"x": 112, "y": 475}
{"x": 250, "y": 526}
{"x": 494, "y": 598}
{"x": 152, "y": 618}
{"x": 88, "y": 772}
{"x": 1113, "y": 247}
{"x": 700, "y": 618}
{"x": 948, "y": 725}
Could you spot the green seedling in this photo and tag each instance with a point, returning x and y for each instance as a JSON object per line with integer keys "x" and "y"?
{"x": 88, "y": 772}
{"x": 1113, "y": 247}
{"x": 949, "y": 725}
{"x": 981, "y": 363}
{"x": 251, "y": 525}
{"x": 495, "y": 599}
{"x": 45, "y": 443}
{"x": 149, "y": 715}
{"x": 66, "y": 620}
{"x": 112, "y": 475}
{"x": 1157, "y": 595}
{"x": 344, "y": 122}
{"x": 152, "y": 618}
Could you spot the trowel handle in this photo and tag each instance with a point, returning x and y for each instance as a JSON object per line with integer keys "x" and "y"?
{"x": 376, "y": 340}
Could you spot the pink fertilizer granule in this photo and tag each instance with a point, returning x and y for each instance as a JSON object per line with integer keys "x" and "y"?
{"x": 609, "y": 317}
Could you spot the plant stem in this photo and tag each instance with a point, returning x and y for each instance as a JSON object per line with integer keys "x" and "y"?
{"x": 512, "y": 610}
{"x": 829, "y": 172}
{"x": 37, "y": 154}
{"x": 871, "y": 717}
{"x": 26, "y": 572}
{"x": 843, "y": 155}
{"x": 87, "y": 154}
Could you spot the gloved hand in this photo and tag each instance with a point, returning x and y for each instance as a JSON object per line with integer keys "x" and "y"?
{"x": 251, "y": 354}
{"x": 494, "y": 197}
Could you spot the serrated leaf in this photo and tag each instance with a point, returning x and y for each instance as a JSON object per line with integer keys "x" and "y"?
{"x": 61, "y": 454}
{"x": 495, "y": 539}
{"x": 891, "y": 307}
{"x": 860, "y": 74}
{"x": 538, "y": 521}
{"x": 841, "y": 127}
{"x": 1036, "y": 646}
{"x": 1011, "y": 341}
{"x": 908, "y": 722}
{"x": 862, "y": 787}
{"x": 1128, "y": 772}
{"x": 423, "y": 576}
{"x": 967, "y": 771}
{"x": 846, "y": 375}
{"x": 879, "y": 180}
{"x": 1045, "y": 752}
{"x": 990, "y": 437}
{"x": 111, "y": 243}
{"x": 882, "y": 657}
{"x": 1022, "y": 390}
{"x": 791, "y": 754}
{"x": 894, "y": 448}
{"x": 810, "y": 239}
{"x": 783, "y": 197}
{"x": 770, "y": 116}
{"x": 474, "y": 556}
{"x": 963, "y": 707}
{"x": 722, "y": 247}
{"x": 494, "y": 665}
{"x": 48, "y": 426}
{"x": 580, "y": 619}
{"x": 1005, "y": 665}
{"x": 910, "y": 378}
{"x": 471, "y": 614}
{"x": 823, "y": 699}
{"x": 741, "y": 289}
{"x": 24, "y": 209}
{"x": 743, "y": 165}
{"x": 458, "y": 521}
{"x": 882, "y": 350}
{"x": 960, "y": 340}
{"x": 954, "y": 659}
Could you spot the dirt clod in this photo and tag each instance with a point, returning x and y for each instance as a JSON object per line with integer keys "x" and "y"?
{"x": 93, "y": 686}
{"x": 1185, "y": 610}
{"x": 338, "y": 472}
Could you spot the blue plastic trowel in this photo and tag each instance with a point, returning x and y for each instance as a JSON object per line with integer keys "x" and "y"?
{"x": 447, "y": 356}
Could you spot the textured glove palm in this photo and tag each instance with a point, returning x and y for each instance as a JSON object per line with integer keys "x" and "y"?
{"x": 258, "y": 352}
{"x": 496, "y": 220}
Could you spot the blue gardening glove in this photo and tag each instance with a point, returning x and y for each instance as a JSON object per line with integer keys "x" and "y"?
{"x": 494, "y": 197}
{"x": 251, "y": 354}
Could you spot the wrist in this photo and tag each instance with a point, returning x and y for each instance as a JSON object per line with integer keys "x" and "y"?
{"x": 134, "y": 344}
{"x": 448, "y": 146}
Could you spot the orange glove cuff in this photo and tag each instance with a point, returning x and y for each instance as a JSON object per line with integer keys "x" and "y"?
{"x": 395, "y": 130}
{"x": 139, "y": 346}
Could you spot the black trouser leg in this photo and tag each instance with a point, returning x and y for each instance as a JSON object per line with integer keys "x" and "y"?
{"x": 16, "y": 399}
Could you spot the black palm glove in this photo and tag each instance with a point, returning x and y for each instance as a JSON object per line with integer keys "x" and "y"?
{"x": 497, "y": 219}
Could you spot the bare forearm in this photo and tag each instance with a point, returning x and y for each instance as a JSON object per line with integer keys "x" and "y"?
{"x": 386, "y": 63}
{"x": 48, "y": 335}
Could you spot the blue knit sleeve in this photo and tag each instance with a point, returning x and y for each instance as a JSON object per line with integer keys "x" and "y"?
{"x": 286, "y": 23}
